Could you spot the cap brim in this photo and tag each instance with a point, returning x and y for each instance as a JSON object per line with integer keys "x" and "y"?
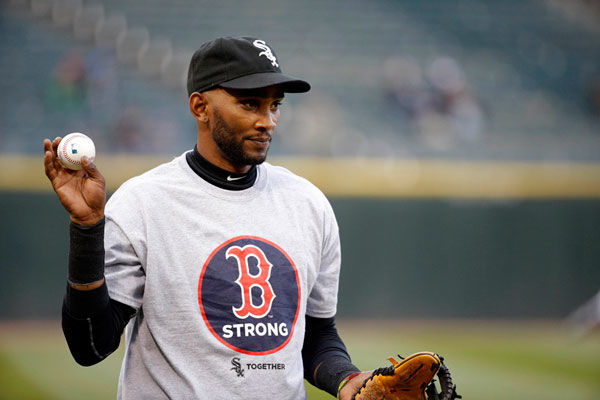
{"x": 264, "y": 79}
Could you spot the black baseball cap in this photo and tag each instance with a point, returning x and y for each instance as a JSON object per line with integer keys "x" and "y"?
{"x": 238, "y": 63}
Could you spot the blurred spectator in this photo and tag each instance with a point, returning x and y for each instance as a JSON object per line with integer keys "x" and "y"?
{"x": 102, "y": 87}
{"x": 164, "y": 135}
{"x": 317, "y": 125}
{"x": 439, "y": 102}
{"x": 136, "y": 132}
{"x": 129, "y": 131}
{"x": 66, "y": 92}
{"x": 453, "y": 98}
{"x": 404, "y": 85}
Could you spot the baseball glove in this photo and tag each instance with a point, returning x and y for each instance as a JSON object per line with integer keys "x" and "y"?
{"x": 410, "y": 379}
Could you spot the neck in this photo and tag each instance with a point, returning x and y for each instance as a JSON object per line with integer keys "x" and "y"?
{"x": 218, "y": 176}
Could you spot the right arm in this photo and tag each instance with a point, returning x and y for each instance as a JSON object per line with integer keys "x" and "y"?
{"x": 92, "y": 322}
{"x": 83, "y": 194}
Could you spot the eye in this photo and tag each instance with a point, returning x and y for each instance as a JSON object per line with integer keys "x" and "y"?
{"x": 275, "y": 105}
{"x": 249, "y": 103}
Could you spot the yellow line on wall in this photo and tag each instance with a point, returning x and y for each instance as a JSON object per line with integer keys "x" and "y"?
{"x": 369, "y": 177}
{"x": 450, "y": 179}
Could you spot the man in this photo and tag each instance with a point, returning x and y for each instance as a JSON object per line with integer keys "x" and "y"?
{"x": 223, "y": 268}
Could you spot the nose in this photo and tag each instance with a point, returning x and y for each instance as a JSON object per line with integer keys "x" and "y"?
{"x": 267, "y": 121}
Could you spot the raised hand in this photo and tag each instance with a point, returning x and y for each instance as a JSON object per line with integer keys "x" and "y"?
{"x": 82, "y": 193}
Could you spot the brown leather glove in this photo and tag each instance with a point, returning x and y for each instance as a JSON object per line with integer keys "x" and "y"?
{"x": 410, "y": 379}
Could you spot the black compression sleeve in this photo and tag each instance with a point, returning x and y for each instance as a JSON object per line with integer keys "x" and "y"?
{"x": 326, "y": 360}
{"x": 86, "y": 253}
{"x": 93, "y": 323}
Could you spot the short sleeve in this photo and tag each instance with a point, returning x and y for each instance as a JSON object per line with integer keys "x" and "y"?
{"x": 123, "y": 271}
{"x": 322, "y": 300}
{"x": 124, "y": 242}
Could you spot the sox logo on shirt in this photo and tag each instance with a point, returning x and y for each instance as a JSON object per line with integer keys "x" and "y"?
{"x": 249, "y": 295}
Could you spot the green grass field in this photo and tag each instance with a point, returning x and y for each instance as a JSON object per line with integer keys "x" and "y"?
{"x": 489, "y": 360}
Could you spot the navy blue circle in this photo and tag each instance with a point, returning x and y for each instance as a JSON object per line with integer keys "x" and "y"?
{"x": 219, "y": 294}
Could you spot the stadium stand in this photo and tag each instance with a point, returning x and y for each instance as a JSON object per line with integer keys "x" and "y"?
{"x": 454, "y": 79}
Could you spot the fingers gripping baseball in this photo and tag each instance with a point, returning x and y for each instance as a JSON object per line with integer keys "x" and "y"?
{"x": 81, "y": 192}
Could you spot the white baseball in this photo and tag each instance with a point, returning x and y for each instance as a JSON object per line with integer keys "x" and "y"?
{"x": 74, "y": 146}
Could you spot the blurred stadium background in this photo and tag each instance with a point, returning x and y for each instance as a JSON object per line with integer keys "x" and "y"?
{"x": 458, "y": 141}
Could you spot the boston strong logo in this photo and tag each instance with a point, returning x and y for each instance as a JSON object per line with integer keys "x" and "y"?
{"x": 249, "y": 295}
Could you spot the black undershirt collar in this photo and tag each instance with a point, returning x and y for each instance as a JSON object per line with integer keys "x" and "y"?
{"x": 218, "y": 176}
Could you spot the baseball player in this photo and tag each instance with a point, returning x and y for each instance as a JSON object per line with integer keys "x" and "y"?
{"x": 221, "y": 268}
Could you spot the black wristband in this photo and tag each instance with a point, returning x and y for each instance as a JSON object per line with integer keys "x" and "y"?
{"x": 86, "y": 253}
{"x": 332, "y": 371}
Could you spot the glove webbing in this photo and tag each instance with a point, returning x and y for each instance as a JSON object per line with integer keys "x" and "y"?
{"x": 448, "y": 388}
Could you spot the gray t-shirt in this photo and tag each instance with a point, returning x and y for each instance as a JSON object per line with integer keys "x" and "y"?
{"x": 222, "y": 281}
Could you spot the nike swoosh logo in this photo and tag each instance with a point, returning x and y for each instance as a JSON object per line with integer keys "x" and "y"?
{"x": 230, "y": 178}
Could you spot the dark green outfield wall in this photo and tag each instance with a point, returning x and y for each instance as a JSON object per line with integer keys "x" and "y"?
{"x": 401, "y": 258}
{"x": 468, "y": 259}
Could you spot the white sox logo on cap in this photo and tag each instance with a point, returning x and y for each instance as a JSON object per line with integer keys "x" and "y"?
{"x": 266, "y": 51}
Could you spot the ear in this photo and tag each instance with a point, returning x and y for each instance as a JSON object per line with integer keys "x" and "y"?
{"x": 198, "y": 103}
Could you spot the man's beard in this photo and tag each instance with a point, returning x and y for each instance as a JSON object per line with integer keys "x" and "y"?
{"x": 233, "y": 150}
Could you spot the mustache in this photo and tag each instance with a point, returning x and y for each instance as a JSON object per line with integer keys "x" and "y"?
{"x": 265, "y": 137}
